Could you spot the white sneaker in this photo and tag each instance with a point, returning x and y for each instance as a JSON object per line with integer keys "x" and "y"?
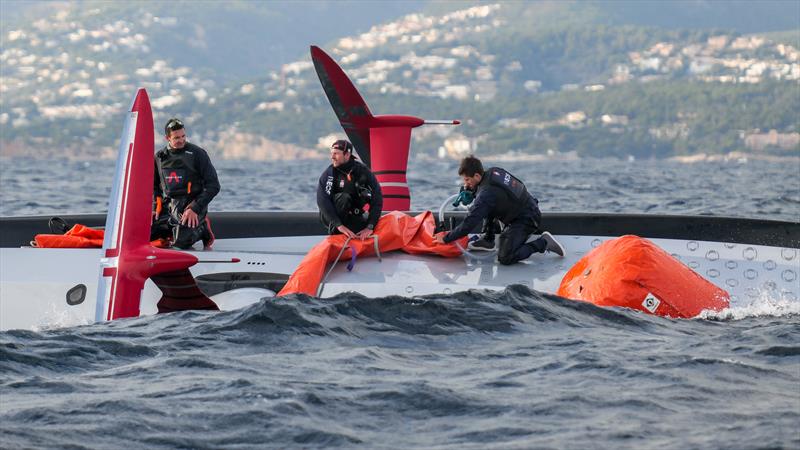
{"x": 552, "y": 244}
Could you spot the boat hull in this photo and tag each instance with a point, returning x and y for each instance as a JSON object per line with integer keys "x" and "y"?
{"x": 763, "y": 264}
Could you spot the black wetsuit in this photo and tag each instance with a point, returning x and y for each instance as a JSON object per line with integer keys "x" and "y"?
{"x": 183, "y": 177}
{"x": 342, "y": 194}
{"x": 502, "y": 196}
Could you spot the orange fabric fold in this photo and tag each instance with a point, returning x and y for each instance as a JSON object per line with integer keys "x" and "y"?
{"x": 395, "y": 231}
{"x": 79, "y": 236}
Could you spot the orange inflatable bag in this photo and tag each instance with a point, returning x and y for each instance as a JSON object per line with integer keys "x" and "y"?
{"x": 79, "y": 236}
{"x": 395, "y": 231}
{"x": 635, "y": 273}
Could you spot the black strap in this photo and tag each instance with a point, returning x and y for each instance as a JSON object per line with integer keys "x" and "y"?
{"x": 58, "y": 225}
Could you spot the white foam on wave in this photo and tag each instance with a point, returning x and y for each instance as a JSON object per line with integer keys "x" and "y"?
{"x": 55, "y": 318}
{"x": 767, "y": 303}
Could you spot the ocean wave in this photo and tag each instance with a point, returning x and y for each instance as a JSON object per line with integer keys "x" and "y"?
{"x": 352, "y": 314}
{"x": 301, "y": 372}
{"x": 767, "y": 303}
{"x": 64, "y": 351}
{"x": 276, "y": 321}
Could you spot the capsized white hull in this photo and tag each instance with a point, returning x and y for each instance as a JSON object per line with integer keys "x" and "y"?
{"x": 34, "y": 282}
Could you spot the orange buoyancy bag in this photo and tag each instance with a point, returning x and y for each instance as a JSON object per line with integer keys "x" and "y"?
{"x": 395, "y": 231}
{"x": 635, "y": 273}
{"x": 79, "y": 236}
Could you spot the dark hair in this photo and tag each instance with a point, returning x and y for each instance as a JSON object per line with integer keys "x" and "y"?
{"x": 173, "y": 124}
{"x": 470, "y": 166}
{"x": 342, "y": 145}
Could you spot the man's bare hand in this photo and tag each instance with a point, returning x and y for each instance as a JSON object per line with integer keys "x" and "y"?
{"x": 363, "y": 234}
{"x": 439, "y": 237}
{"x": 189, "y": 218}
{"x": 346, "y": 231}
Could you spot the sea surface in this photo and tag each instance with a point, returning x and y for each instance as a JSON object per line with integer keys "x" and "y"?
{"x": 516, "y": 369}
{"x": 754, "y": 188}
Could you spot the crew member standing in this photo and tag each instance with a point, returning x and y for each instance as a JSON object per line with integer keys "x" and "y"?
{"x": 499, "y": 195}
{"x": 348, "y": 196}
{"x": 185, "y": 183}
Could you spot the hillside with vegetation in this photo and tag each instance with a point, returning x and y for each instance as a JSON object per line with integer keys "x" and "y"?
{"x": 551, "y": 78}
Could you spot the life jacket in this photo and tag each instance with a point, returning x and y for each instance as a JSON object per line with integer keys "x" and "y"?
{"x": 515, "y": 199}
{"x": 178, "y": 176}
{"x": 353, "y": 182}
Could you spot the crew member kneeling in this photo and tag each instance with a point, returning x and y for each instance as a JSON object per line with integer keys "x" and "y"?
{"x": 501, "y": 196}
{"x": 185, "y": 182}
{"x": 348, "y": 196}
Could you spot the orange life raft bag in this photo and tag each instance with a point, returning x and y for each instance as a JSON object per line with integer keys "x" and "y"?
{"x": 79, "y": 236}
{"x": 635, "y": 273}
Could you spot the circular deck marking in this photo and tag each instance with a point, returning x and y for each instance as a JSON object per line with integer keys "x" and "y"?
{"x": 770, "y": 264}
{"x": 731, "y": 264}
{"x": 750, "y": 274}
{"x": 712, "y": 255}
{"x": 749, "y": 253}
{"x": 732, "y": 282}
{"x": 713, "y": 273}
{"x": 788, "y": 253}
{"x": 692, "y": 246}
{"x": 788, "y": 275}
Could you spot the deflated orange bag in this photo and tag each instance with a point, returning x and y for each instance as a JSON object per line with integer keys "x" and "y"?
{"x": 635, "y": 273}
{"x": 395, "y": 231}
{"x": 79, "y": 236}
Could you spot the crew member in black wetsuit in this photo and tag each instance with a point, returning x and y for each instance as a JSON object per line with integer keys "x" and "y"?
{"x": 348, "y": 196}
{"x": 501, "y": 196}
{"x": 185, "y": 182}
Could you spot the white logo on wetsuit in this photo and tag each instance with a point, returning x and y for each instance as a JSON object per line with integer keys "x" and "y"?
{"x": 329, "y": 185}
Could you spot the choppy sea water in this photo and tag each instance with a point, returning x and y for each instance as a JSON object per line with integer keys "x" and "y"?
{"x": 511, "y": 369}
{"x": 758, "y": 189}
